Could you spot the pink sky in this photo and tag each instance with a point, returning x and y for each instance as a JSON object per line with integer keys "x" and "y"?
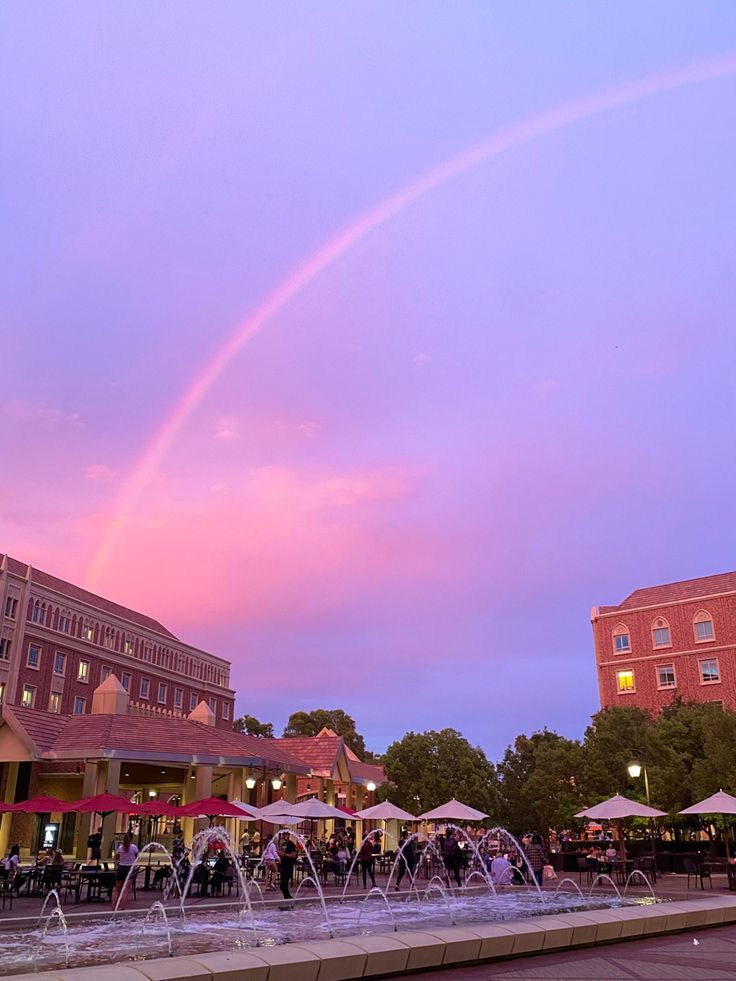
{"x": 508, "y": 402}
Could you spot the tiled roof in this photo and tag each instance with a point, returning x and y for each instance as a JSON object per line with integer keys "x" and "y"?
{"x": 365, "y": 772}
{"x": 61, "y": 736}
{"x": 673, "y": 592}
{"x": 320, "y": 752}
{"x": 76, "y": 593}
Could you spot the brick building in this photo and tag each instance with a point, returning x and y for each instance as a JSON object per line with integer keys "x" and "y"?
{"x": 58, "y": 642}
{"x": 675, "y": 641}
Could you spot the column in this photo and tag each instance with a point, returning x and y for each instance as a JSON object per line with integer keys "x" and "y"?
{"x": 331, "y": 792}
{"x": 111, "y": 776}
{"x": 7, "y": 819}
{"x": 89, "y": 787}
{"x": 202, "y": 789}
{"x": 187, "y": 796}
{"x": 290, "y": 793}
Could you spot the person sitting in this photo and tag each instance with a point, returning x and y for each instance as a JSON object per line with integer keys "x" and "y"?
{"x": 501, "y": 871}
{"x": 220, "y": 873}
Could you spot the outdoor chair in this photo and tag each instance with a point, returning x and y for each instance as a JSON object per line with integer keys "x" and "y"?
{"x": 6, "y": 889}
{"x": 583, "y": 868}
{"x": 648, "y": 866}
{"x": 696, "y": 872}
{"x": 339, "y": 873}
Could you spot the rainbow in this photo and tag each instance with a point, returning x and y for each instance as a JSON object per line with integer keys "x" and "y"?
{"x": 505, "y": 139}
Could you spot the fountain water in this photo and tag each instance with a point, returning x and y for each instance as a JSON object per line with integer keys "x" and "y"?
{"x": 475, "y": 874}
{"x": 147, "y": 851}
{"x": 56, "y": 914}
{"x": 639, "y": 874}
{"x": 314, "y": 877}
{"x": 52, "y": 894}
{"x": 376, "y": 831}
{"x": 482, "y": 867}
{"x": 252, "y": 884}
{"x": 158, "y": 910}
{"x": 436, "y": 884}
{"x": 600, "y": 878}
{"x": 497, "y": 833}
{"x": 375, "y": 891}
{"x": 573, "y": 883}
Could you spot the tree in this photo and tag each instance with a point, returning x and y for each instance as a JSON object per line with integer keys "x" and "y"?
{"x": 311, "y": 723}
{"x": 250, "y": 725}
{"x": 540, "y": 782}
{"x": 428, "y": 768}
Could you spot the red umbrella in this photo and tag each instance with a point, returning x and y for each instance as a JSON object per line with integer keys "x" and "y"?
{"x": 42, "y": 805}
{"x": 212, "y": 807}
{"x": 159, "y": 808}
{"x": 104, "y": 804}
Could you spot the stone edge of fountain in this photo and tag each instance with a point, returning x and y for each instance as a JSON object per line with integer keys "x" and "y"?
{"x": 409, "y": 950}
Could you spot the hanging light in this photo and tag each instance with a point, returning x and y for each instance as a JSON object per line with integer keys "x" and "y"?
{"x": 276, "y": 783}
{"x": 250, "y": 782}
{"x": 370, "y": 787}
{"x": 151, "y": 793}
{"x": 634, "y": 769}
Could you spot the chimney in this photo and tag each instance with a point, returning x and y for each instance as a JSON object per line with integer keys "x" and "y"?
{"x": 202, "y": 713}
{"x": 110, "y": 698}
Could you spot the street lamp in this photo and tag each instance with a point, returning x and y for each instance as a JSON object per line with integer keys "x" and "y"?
{"x": 370, "y": 787}
{"x": 636, "y": 768}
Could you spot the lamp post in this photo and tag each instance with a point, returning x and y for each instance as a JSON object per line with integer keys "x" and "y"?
{"x": 636, "y": 767}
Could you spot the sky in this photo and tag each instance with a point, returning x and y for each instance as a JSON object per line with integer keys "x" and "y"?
{"x": 470, "y": 409}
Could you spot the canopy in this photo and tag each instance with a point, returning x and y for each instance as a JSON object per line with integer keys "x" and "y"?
{"x": 159, "y": 808}
{"x": 316, "y": 810}
{"x": 103, "y": 804}
{"x": 453, "y": 810}
{"x": 385, "y": 812}
{"x": 281, "y": 820}
{"x": 275, "y": 807}
{"x": 619, "y": 807}
{"x": 212, "y": 807}
{"x": 250, "y": 813}
{"x": 42, "y": 805}
{"x": 720, "y": 803}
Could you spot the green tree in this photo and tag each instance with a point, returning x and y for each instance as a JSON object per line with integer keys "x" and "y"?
{"x": 311, "y": 723}
{"x": 612, "y": 738}
{"x": 428, "y": 768}
{"x": 540, "y": 782}
{"x": 250, "y": 725}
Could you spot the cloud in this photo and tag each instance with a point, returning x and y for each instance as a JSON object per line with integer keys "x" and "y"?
{"x": 226, "y": 430}
{"x": 308, "y": 428}
{"x": 99, "y": 471}
{"x": 39, "y": 413}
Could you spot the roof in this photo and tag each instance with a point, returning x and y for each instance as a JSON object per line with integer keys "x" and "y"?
{"x": 76, "y": 593}
{"x": 320, "y": 752}
{"x": 676, "y": 592}
{"x": 366, "y": 772}
{"x": 143, "y": 737}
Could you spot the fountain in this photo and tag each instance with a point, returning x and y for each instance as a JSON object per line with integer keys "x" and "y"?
{"x": 157, "y": 909}
{"x": 600, "y": 878}
{"x": 637, "y": 873}
{"x": 436, "y": 884}
{"x": 56, "y": 914}
{"x": 375, "y": 891}
{"x": 572, "y": 882}
{"x": 376, "y": 831}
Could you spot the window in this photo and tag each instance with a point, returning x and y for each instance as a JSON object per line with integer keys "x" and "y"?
{"x": 703, "y": 625}
{"x": 83, "y": 672}
{"x": 621, "y": 640}
{"x": 109, "y": 638}
{"x": 192, "y": 701}
{"x": 34, "y": 657}
{"x": 11, "y": 606}
{"x": 666, "y": 676}
{"x": 213, "y": 705}
{"x": 709, "y": 673}
{"x": 661, "y": 633}
{"x": 162, "y": 691}
{"x": 28, "y": 697}
{"x": 625, "y": 681}
{"x": 128, "y": 647}
{"x": 65, "y": 623}
{"x": 2, "y": 691}
{"x": 60, "y": 663}
{"x": 125, "y": 680}
{"x": 55, "y": 703}
{"x": 178, "y": 697}
{"x": 88, "y": 632}
{"x": 145, "y": 687}
{"x": 226, "y": 710}
{"x": 105, "y": 672}
{"x": 79, "y": 705}
{"x": 4, "y": 648}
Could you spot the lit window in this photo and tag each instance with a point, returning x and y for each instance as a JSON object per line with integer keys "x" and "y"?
{"x": 178, "y": 697}
{"x": 105, "y": 672}
{"x": 2, "y": 691}
{"x": 661, "y": 634}
{"x": 59, "y": 663}
{"x": 226, "y": 710}
{"x": 11, "y": 605}
{"x": 193, "y": 701}
{"x": 83, "y": 672}
{"x": 625, "y": 681}
{"x": 4, "y": 648}
{"x": 666, "y": 676}
{"x": 621, "y": 640}
{"x": 28, "y": 697}
{"x": 55, "y": 703}
{"x": 34, "y": 656}
{"x": 79, "y": 704}
{"x": 89, "y": 632}
{"x": 145, "y": 687}
{"x": 125, "y": 680}
{"x": 128, "y": 647}
{"x": 703, "y": 627}
{"x": 162, "y": 690}
{"x": 709, "y": 673}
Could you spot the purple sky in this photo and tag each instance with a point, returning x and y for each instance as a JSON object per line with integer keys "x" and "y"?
{"x": 509, "y": 402}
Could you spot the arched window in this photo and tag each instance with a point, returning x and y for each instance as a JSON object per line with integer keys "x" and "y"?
{"x": 703, "y": 627}
{"x": 621, "y": 639}
{"x": 661, "y": 633}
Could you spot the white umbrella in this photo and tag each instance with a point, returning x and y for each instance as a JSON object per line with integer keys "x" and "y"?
{"x": 250, "y": 813}
{"x": 617, "y": 807}
{"x": 720, "y": 803}
{"x": 281, "y": 820}
{"x": 317, "y": 810}
{"x": 276, "y": 807}
{"x": 385, "y": 812}
{"x": 453, "y": 810}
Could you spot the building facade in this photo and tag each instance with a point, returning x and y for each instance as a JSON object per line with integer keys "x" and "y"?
{"x": 58, "y": 642}
{"x": 668, "y": 642}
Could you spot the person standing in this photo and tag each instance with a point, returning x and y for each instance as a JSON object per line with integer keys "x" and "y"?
{"x": 288, "y": 860}
{"x": 365, "y": 857}
{"x": 408, "y": 861}
{"x": 536, "y": 857}
{"x": 126, "y": 855}
{"x": 270, "y": 862}
{"x": 451, "y": 856}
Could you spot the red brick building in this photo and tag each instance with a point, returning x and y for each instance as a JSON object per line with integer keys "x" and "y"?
{"x": 666, "y": 642}
{"x": 58, "y": 642}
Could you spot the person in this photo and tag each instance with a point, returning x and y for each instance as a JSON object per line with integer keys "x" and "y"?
{"x": 219, "y": 873}
{"x": 94, "y": 843}
{"x": 501, "y": 871}
{"x": 611, "y": 856}
{"x": 10, "y": 864}
{"x": 450, "y": 856}
{"x": 536, "y": 857}
{"x": 288, "y": 860}
{"x": 365, "y": 857}
{"x": 408, "y": 862}
{"x": 125, "y": 855}
{"x": 255, "y": 843}
{"x": 270, "y": 862}
{"x": 178, "y": 848}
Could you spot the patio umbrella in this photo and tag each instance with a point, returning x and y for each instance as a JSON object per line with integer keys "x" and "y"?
{"x": 42, "y": 805}
{"x": 212, "y": 807}
{"x": 104, "y": 804}
{"x": 720, "y": 803}
{"x": 618, "y": 807}
{"x": 453, "y": 810}
{"x": 275, "y": 807}
{"x": 316, "y": 810}
{"x": 250, "y": 813}
{"x": 385, "y": 812}
{"x": 158, "y": 808}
